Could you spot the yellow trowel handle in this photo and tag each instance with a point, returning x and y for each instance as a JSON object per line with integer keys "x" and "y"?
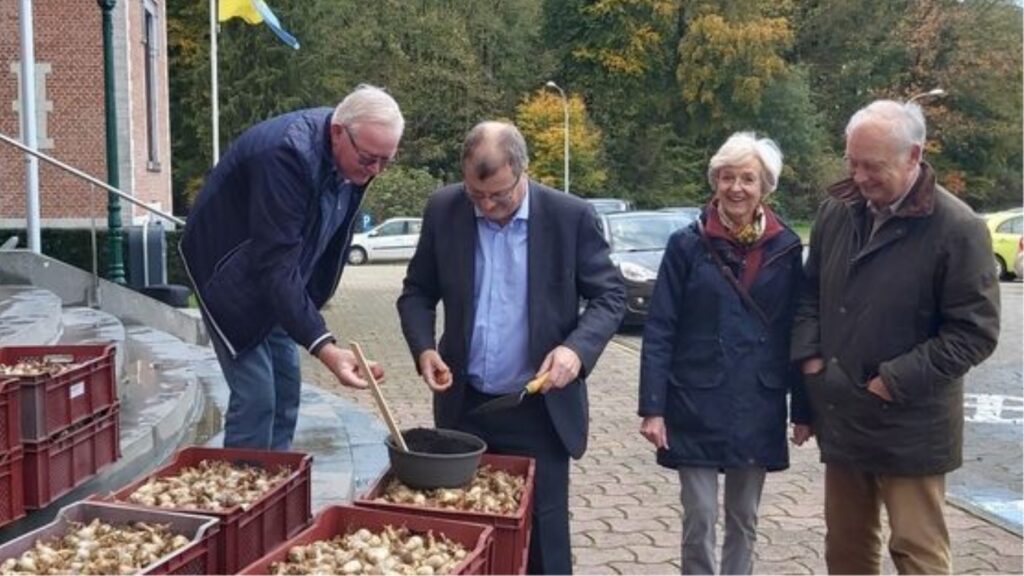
{"x": 534, "y": 386}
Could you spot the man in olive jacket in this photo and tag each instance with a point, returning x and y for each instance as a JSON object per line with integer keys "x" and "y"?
{"x": 901, "y": 299}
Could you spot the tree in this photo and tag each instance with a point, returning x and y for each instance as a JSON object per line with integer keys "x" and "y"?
{"x": 726, "y": 66}
{"x": 541, "y": 117}
{"x": 400, "y": 191}
{"x": 619, "y": 55}
{"x": 860, "y": 50}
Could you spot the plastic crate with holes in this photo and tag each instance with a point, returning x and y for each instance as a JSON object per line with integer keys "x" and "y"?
{"x": 59, "y": 463}
{"x": 10, "y": 415}
{"x": 12, "y": 496}
{"x": 247, "y": 532}
{"x": 77, "y": 382}
{"x": 476, "y": 539}
{"x": 511, "y": 531}
{"x": 198, "y": 556}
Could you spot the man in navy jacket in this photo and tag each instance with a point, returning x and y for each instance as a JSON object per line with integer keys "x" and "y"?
{"x": 511, "y": 259}
{"x": 265, "y": 246}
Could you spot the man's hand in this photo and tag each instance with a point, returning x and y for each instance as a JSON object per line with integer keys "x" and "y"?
{"x": 802, "y": 433}
{"x": 653, "y": 429}
{"x": 343, "y": 364}
{"x": 562, "y": 366}
{"x": 812, "y": 366}
{"x": 434, "y": 371}
{"x": 877, "y": 387}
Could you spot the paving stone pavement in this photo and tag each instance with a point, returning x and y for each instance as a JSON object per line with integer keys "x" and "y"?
{"x": 626, "y": 516}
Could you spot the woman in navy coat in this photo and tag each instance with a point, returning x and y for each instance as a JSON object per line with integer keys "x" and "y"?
{"x": 715, "y": 370}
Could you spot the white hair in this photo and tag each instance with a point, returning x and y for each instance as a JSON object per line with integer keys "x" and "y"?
{"x": 905, "y": 121}
{"x": 369, "y": 105}
{"x": 743, "y": 146}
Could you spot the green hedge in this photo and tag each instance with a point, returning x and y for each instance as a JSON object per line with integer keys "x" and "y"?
{"x": 74, "y": 247}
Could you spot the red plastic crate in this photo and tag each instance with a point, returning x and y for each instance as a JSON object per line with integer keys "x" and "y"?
{"x": 338, "y": 520}
{"x": 10, "y": 416}
{"x": 247, "y": 534}
{"x": 197, "y": 557}
{"x": 54, "y": 466}
{"x": 511, "y": 532}
{"x": 50, "y": 404}
{"x": 12, "y": 500}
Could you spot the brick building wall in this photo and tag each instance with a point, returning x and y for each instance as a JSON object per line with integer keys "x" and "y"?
{"x": 71, "y": 124}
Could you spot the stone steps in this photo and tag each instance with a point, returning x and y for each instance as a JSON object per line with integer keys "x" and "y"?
{"x": 173, "y": 394}
{"x": 28, "y": 316}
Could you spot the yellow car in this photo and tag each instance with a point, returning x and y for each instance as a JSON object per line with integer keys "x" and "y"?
{"x": 1006, "y": 229}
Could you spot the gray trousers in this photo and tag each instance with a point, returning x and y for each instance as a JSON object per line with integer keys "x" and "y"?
{"x": 699, "y": 496}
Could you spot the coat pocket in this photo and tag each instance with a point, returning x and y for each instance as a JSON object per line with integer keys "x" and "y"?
{"x": 773, "y": 378}
{"x": 233, "y": 293}
{"x": 699, "y": 364}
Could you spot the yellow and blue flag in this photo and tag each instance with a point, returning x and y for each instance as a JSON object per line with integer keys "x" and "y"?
{"x": 254, "y": 12}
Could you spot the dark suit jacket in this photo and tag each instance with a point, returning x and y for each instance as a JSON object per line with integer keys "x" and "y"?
{"x": 567, "y": 260}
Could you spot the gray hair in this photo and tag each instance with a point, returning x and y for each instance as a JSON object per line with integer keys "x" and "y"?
{"x": 491, "y": 145}
{"x": 905, "y": 121}
{"x": 742, "y": 146}
{"x": 369, "y": 105}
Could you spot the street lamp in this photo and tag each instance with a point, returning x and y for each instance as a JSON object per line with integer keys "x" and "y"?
{"x": 565, "y": 153}
{"x": 928, "y": 94}
{"x": 115, "y": 265}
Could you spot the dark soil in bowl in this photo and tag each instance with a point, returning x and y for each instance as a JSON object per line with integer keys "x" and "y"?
{"x": 429, "y": 441}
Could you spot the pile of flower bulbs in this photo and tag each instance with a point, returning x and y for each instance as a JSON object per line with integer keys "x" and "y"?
{"x": 490, "y": 491}
{"x": 33, "y": 368}
{"x": 211, "y": 485}
{"x": 391, "y": 551}
{"x": 97, "y": 548}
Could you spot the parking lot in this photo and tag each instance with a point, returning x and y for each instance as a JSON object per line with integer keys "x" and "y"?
{"x": 990, "y": 481}
{"x": 625, "y": 508}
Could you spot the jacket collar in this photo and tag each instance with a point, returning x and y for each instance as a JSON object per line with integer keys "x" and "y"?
{"x": 918, "y": 203}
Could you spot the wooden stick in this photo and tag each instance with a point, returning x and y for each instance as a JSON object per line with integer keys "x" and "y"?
{"x": 388, "y": 418}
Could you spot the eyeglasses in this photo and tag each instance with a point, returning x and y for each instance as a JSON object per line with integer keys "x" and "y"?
{"x": 499, "y": 197}
{"x": 366, "y": 159}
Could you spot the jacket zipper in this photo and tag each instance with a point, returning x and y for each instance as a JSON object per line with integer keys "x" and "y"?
{"x": 782, "y": 253}
{"x": 202, "y": 303}
{"x": 348, "y": 236}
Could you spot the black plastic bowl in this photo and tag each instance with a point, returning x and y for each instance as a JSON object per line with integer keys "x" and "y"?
{"x": 426, "y": 470}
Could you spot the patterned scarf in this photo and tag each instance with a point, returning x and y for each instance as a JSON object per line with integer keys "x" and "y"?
{"x": 747, "y": 234}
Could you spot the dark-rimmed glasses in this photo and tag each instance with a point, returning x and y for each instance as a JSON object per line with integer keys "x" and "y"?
{"x": 365, "y": 158}
{"x": 499, "y": 197}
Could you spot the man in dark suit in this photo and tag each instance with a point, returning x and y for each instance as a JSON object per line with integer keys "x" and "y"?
{"x": 511, "y": 259}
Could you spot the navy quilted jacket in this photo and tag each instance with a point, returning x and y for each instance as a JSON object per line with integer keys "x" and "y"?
{"x": 250, "y": 241}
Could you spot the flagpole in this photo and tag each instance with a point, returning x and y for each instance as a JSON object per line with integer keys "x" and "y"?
{"x": 214, "y": 104}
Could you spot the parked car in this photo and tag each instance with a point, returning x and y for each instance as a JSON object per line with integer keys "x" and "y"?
{"x": 1018, "y": 264}
{"x": 637, "y": 241}
{"x": 692, "y": 211}
{"x": 392, "y": 239}
{"x": 1006, "y": 228}
{"x": 608, "y": 205}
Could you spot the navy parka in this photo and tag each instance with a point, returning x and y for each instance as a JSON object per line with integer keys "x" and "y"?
{"x": 711, "y": 366}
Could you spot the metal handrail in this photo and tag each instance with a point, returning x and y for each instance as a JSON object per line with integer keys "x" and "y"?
{"x": 76, "y": 172}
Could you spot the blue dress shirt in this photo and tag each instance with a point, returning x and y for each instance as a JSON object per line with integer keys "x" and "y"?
{"x": 499, "y": 352}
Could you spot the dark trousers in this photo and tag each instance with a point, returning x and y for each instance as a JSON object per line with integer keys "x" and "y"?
{"x": 527, "y": 431}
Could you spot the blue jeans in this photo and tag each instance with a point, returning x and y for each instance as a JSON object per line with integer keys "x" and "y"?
{"x": 265, "y": 390}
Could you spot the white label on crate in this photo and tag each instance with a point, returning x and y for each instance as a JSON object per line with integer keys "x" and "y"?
{"x": 77, "y": 389}
{"x": 58, "y": 358}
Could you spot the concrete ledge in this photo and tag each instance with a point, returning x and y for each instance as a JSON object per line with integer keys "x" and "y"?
{"x": 29, "y": 316}
{"x": 75, "y": 288}
{"x": 89, "y": 326}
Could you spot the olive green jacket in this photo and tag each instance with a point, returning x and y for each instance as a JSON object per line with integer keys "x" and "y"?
{"x": 918, "y": 304}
